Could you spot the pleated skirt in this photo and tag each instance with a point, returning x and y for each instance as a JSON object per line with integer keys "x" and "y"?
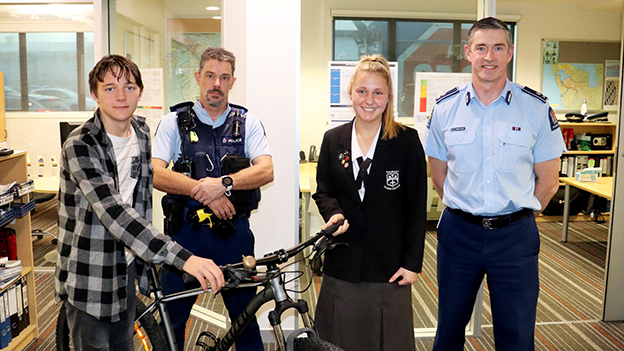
{"x": 365, "y": 316}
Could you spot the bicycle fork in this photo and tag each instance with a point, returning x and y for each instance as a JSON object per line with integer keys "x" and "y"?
{"x": 283, "y": 303}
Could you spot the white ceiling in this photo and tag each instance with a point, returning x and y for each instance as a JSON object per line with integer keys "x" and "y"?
{"x": 191, "y": 8}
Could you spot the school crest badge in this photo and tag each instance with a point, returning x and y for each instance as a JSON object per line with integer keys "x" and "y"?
{"x": 392, "y": 180}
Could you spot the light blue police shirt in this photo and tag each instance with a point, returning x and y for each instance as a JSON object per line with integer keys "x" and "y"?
{"x": 490, "y": 150}
{"x": 166, "y": 144}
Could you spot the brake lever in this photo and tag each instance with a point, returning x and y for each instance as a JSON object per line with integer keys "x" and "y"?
{"x": 334, "y": 245}
{"x": 235, "y": 277}
{"x": 326, "y": 244}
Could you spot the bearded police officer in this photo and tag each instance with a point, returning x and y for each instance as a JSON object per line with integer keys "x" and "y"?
{"x": 221, "y": 159}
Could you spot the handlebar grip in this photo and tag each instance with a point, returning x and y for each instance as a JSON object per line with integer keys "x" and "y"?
{"x": 332, "y": 228}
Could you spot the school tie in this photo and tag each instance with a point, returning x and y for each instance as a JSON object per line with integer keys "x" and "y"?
{"x": 363, "y": 173}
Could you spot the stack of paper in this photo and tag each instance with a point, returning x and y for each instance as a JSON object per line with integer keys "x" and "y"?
{"x": 9, "y": 271}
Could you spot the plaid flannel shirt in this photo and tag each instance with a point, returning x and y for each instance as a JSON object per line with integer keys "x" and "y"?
{"x": 96, "y": 225}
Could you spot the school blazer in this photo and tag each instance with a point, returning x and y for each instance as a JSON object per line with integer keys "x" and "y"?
{"x": 386, "y": 229}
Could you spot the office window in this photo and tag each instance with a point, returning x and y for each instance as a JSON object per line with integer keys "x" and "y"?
{"x": 46, "y": 53}
{"x": 354, "y": 38}
{"x": 46, "y": 71}
{"x": 417, "y": 46}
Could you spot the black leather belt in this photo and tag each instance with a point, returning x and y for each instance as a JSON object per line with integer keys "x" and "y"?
{"x": 493, "y": 222}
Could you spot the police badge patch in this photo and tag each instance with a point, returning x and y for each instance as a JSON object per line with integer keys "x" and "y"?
{"x": 392, "y": 180}
{"x": 554, "y": 123}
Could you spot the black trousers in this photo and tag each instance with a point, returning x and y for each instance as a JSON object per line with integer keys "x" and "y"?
{"x": 509, "y": 258}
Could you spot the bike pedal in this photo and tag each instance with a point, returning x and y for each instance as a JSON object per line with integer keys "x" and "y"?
{"x": 215, "y": 340}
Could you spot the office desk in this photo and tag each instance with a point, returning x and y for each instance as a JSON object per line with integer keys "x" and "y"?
{"x": 48, "y": 185}
{"x": 602, "y": 188}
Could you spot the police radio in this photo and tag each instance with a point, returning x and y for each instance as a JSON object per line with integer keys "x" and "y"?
{"x": 184, "y": 112}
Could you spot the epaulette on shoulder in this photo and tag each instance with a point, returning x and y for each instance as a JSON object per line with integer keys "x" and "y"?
{"x": 447, "y": 94}
{"x": 243, "y": 110}
{"x": 535, "y": 94}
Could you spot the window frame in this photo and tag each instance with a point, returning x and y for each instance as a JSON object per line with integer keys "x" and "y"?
{"x": 392, "y": 39}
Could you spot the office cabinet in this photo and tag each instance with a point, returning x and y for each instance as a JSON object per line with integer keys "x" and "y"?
{"x": 13, "y": 169}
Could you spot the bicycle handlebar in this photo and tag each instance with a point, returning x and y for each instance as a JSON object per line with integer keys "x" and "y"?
{"x": 249, "y": 262}
{"x": 282, "y": 255}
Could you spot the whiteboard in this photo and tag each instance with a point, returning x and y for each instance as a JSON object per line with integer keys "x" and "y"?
{"x": 340, "y": 106}
{"x": 428, "y": 87}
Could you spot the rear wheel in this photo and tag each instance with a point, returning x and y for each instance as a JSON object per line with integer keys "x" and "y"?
{"x": 148, "y": 334}
{"x": 313, "y": 344}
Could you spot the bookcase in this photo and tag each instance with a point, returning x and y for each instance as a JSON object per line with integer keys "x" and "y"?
{"x": 13, "y": 169}
{"x": 600, "y": 153}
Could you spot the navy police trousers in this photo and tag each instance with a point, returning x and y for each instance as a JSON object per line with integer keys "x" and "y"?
{"x": 508, "y": 256}
{"x": 204, "y": 243}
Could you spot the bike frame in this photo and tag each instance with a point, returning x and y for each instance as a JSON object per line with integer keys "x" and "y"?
{"x": 274, "y": 290}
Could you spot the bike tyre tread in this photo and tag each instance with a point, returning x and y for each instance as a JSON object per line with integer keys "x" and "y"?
{"x": 314, "y": 344}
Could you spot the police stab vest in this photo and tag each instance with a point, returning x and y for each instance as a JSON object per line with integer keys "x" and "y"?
{"x": 203, "y": 148}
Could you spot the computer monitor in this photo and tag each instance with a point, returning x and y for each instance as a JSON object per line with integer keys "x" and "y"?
{"x": 66, "y": 128}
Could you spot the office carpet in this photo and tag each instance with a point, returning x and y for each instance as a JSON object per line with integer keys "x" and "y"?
{"x": 569, "y": 307}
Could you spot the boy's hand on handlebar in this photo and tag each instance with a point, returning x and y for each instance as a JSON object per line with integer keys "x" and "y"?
{"x": 205, "y": 269}
{"x": 407, "y": 277}
{"x": 335, "y": 218}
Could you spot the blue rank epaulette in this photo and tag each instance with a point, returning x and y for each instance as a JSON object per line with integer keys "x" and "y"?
{"x": 535, "y": 94}
{"x": 447, "y": 94}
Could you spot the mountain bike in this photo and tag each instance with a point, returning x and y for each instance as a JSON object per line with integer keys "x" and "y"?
{"x": 160, "y": 337}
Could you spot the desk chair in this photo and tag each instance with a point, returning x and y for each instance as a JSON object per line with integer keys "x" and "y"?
{"x": 45, "y": 190}
{"x": 47, "y": 180}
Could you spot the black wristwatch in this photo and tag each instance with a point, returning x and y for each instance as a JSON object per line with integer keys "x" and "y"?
{"x": 227, "y": 182}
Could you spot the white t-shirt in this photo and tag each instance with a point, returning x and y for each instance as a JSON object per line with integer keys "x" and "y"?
{"x": 127, "y": 154}
{"x": 127, "y": 157}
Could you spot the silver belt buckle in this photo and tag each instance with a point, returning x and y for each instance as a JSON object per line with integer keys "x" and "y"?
{"x": 486, "y": 223}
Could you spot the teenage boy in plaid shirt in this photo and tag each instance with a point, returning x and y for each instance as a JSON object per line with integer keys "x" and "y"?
{"x": 105, "y": 212}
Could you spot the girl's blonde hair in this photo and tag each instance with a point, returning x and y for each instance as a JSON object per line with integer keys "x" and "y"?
{"x": 378, "y": 64}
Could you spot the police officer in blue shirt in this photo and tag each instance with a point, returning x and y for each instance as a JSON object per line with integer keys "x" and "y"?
{"x": 199, "y": 136}
{"x": 493, "y": 149}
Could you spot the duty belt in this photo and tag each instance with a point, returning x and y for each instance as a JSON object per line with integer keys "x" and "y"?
{"x": 493, "y": 222}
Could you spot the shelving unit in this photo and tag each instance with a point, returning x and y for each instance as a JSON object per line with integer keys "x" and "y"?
{"x": 593, "y": 128}
{"x": 13, "y": 168}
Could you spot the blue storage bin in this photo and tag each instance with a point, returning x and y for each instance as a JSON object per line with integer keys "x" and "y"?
{"x": 20, "y": 210}
{"x": 6, "y": 216}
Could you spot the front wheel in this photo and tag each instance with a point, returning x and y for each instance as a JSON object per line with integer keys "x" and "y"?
{"x": 148, "y": 333}
{"x": 313, "y": 344}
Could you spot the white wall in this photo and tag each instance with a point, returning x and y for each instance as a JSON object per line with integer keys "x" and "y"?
{"x": 613, "y": 306}
{"x": 39, "y": 134}
{"x": 265, "y": 37}
{"x": 538, "y": 20}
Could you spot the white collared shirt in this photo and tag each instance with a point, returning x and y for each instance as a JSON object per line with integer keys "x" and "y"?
{"x": 356, "y": 152}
